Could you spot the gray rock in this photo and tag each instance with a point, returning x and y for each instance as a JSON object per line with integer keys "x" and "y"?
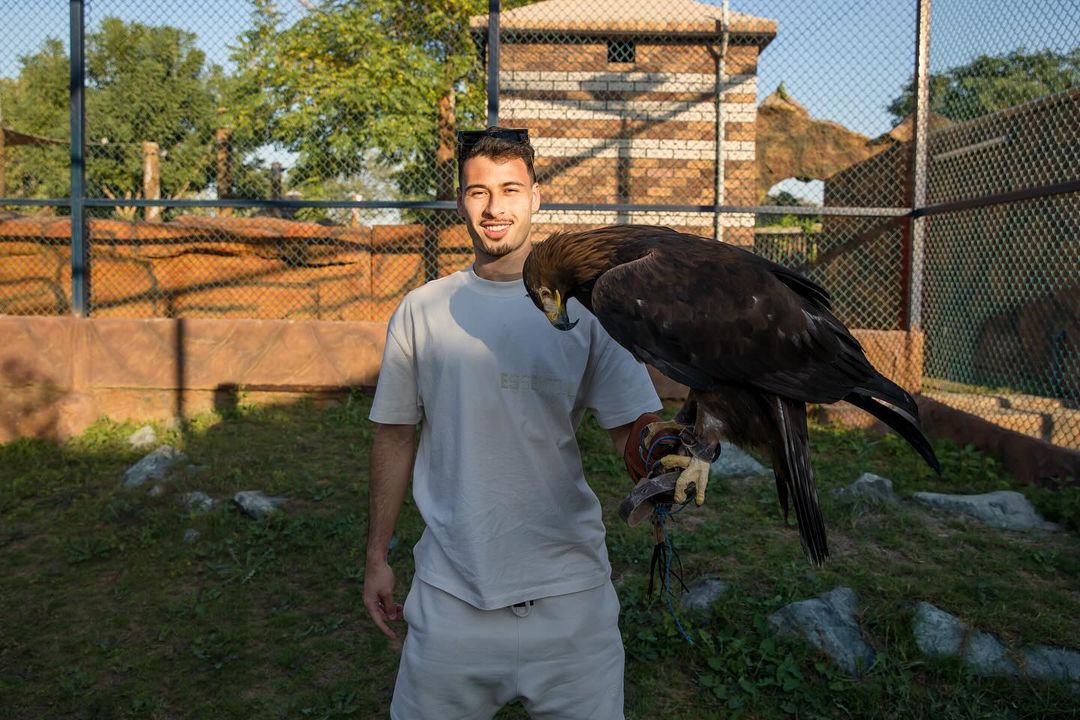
{"x": 191, "y": 535}
{"x": 941, "y": 634}
{"x": 155, "y": 466}
{"x": 937, "y": 633}
{"x": 156, "y": 490}
{"x": 987, "y": 656}
{"x": 198, "y": 502}
{"x": 1051, "y": 663}
{"x": 1004, "y": 509}
{"x": 703, "y": 593}
{"x": 256, "y": 503}
{"x": 144, "y": 437}
{"x": 869, "y": 486}
{"x": 828, "y": 623}
{"x": 733, "y": 462}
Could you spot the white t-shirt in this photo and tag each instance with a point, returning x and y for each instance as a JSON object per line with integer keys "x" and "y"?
{"x": 498, "y": 477}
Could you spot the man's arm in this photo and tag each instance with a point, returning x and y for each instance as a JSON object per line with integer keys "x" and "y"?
{"x": 619, "y": 436}
{"x": 392, "y": 454}
{"x": 626, "y": 440}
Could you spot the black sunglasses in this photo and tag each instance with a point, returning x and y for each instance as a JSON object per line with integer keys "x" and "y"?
{"x": 468, "y": 138}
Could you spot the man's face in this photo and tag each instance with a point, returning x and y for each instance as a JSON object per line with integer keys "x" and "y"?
{"x": 497, "y": 200}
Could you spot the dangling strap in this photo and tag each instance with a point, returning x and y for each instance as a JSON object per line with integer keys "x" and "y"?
{"x": 663, "y": 553}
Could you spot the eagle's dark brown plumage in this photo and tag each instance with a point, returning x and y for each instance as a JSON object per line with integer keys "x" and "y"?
{"x": 753, "y": 340}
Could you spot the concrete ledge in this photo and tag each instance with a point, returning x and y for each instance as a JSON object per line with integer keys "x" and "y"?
{"x": 59, "y": 374}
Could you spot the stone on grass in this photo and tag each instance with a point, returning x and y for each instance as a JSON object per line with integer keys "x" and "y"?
{"x": 829, "y": 623}
{"x": 191, "y": 535}
{"x": 734, "y": 462}
{"x": 1004, "y": 509}
{"x": 987, "y": 656}
{"x": 703, "y": 594}
{"x": 938, "y": 633}
{"x": 1051, "y": 663}
{"x": 257, "y": 504}
{"x": 156, "y": 490}
{"x": 155, "y": 466}
{"x": 941, "y": 634}
{"x": 871, "y": 486}
{"x": 198, "y": 502}
{"x": 142, "y": 438}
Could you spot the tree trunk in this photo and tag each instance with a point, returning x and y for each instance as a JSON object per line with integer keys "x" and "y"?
{"x": 224, "y": 168}
{"x": 444, "y": 154}
{"x": 151, "y": 179}
{"x": 445, "y": 173}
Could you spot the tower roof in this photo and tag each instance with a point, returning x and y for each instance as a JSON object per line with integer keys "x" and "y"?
{"x": 640, "y": 17}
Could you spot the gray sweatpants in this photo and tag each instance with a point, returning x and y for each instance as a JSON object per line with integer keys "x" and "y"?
{"x": 562, "y": 655}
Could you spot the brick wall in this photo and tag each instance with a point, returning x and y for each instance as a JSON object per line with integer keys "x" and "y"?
{"x": 640, "y": 133}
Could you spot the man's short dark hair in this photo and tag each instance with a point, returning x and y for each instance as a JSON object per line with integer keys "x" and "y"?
{"x": 497, "y": 143}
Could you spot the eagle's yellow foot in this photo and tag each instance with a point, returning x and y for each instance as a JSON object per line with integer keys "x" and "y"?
{"x": 695, "y": 472}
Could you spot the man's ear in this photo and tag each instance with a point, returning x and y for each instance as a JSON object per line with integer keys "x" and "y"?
{"x": 535, "y": 196}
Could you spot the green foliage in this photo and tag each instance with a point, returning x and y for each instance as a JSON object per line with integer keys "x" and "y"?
{"x": 143, "y": 83}
{"x": 36, "y": 102}
{"x": 349, "y": 78}
{"x": 991, "y": 83}
{"x": 147, "y": 84}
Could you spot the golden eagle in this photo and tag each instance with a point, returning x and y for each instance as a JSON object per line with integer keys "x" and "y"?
{"x": 753, "y": 341}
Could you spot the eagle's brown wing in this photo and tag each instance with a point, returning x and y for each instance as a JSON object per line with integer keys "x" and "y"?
{"x": 706, "y": 313}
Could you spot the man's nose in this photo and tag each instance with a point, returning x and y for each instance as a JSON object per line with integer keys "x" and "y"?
{"x": 496, "y": 205}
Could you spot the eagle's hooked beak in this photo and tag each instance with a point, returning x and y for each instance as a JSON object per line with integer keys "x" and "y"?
{"x": 555, "y": 309}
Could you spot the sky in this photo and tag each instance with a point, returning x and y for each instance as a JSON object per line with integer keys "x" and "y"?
{"x": 845, "y": 60}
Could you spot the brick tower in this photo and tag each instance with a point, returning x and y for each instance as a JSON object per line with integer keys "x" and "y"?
{"x": 620, "y": 98}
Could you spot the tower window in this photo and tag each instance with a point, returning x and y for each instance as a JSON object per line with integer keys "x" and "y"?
{"x": 620, "y": 51}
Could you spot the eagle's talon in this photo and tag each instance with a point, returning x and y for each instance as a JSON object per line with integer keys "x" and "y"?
{"x": 695, "y": 472}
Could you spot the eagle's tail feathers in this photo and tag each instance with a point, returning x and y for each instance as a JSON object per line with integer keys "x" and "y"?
{"x": 792, "y": 467}
{"x": 885, "y": 389}
{"x": 903, "y": 423}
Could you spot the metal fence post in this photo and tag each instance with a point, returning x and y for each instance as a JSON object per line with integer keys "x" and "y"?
{"x": 493, "y": 63}
{"x": 920, "y": 148}
{"x": 80, "y": 260}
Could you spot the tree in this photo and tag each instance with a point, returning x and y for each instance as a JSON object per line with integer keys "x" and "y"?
{"x": 356, "y": 83}
{"x": 991, "y": 83}
{"x": 147, "y": 83}
{"x": 143, "y": 83}
{"x": 36, "y": 103}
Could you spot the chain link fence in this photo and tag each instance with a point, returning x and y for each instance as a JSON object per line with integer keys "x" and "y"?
{"x": 295, "y": 159}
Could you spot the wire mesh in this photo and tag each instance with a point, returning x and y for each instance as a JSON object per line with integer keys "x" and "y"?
{"x": 786, "y": 116}
{"x": 1002, "y": 295}
{"x": 35, "y": 258}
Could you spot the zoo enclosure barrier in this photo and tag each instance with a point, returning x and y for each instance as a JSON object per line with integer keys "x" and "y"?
{"x": 296, "y": 161}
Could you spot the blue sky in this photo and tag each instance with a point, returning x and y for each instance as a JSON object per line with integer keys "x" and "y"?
{"x": 843, "y": 59}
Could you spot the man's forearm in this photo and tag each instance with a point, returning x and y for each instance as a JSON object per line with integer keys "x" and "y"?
{"x": 392, "y": 453}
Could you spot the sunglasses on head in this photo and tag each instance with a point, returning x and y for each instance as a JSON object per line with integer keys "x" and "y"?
{"x": 468, "y": 138}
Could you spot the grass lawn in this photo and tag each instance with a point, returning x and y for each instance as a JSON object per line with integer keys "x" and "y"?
{"x": 108, "y": 613}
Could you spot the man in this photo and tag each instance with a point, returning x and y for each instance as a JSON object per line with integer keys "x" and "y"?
{"x": 512, "y": 596}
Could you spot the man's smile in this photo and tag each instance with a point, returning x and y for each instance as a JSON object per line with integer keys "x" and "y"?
{"x": 496, "y": 231}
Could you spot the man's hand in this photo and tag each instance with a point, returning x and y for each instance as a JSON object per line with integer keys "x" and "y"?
{"x": 649, "y": 439}
{"x": 379, "y": 596}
